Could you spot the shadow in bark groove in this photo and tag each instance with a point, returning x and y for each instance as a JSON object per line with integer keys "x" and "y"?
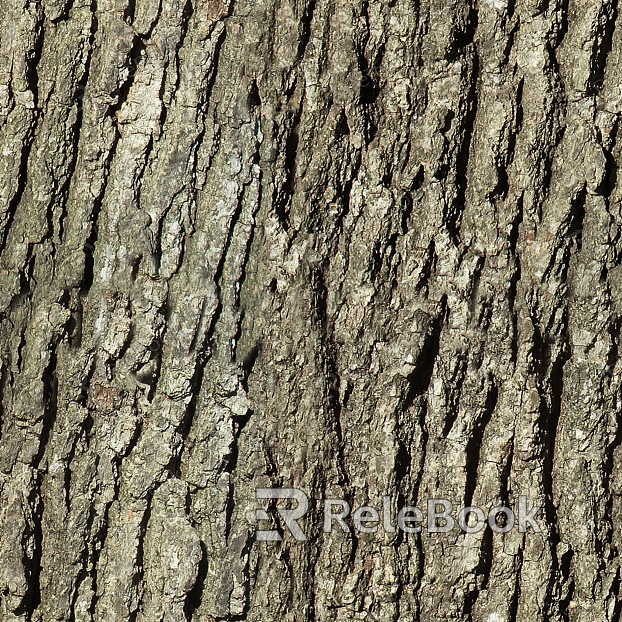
{"x": 515, "y": 600}
{"x": 195, "y": 596}
{"x": 453, "y": 214}
{"x": 419, "y": 379}
{"x": 549, "y": 422}
{"x": 602, "y": 48}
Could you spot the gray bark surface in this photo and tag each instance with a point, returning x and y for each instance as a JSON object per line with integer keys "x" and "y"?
{"x": 356, "y": 248}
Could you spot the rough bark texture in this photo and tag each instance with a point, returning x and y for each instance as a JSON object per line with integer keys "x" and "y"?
{"x": 362, "y": 249}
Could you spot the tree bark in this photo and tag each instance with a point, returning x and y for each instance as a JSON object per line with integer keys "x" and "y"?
{"x": 360, "y": 249}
